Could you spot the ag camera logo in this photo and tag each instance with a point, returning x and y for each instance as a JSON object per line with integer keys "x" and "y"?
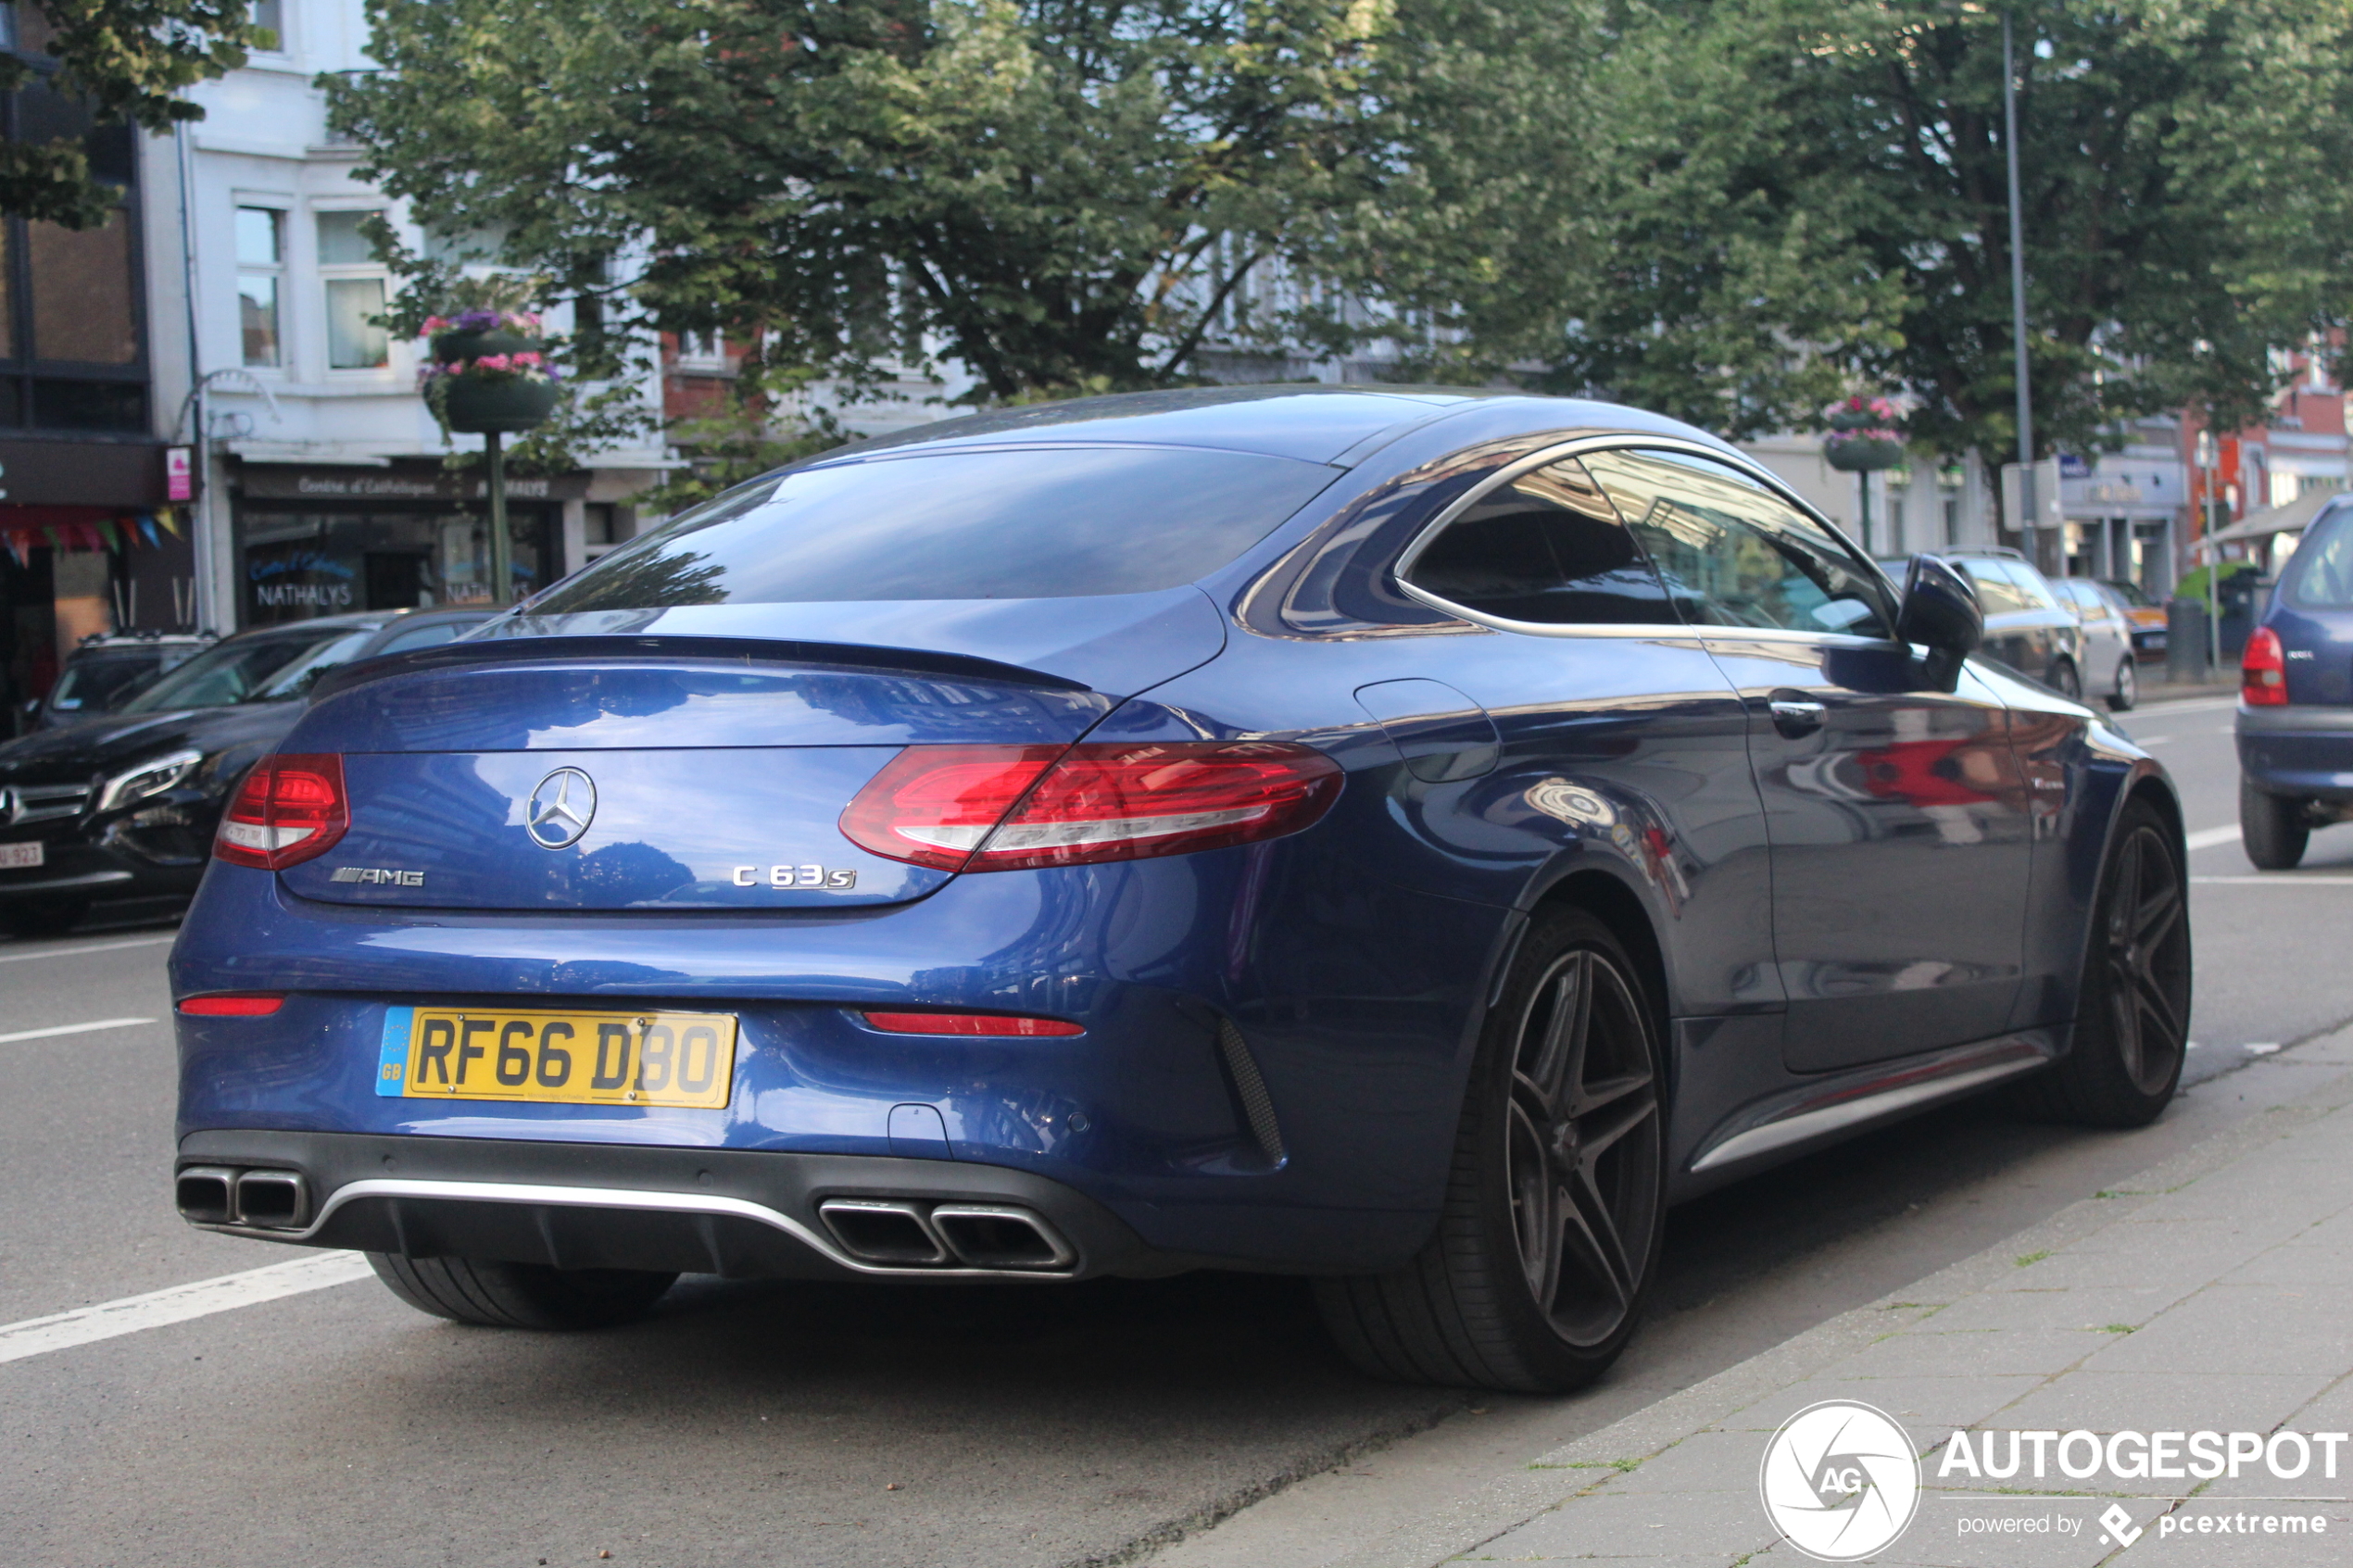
{"x": 1840, "y": 1481}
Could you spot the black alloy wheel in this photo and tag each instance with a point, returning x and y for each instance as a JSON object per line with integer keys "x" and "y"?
{"x": 2132, "y": 1013}
{"x": 1545, "y": 1255}
{"x": 2274, "y": 831}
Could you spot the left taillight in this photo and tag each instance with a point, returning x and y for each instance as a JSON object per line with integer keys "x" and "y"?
{"x": 992, "y": 808}
{"x": 289, "y": 809}
{"x": 2264, "y": 671}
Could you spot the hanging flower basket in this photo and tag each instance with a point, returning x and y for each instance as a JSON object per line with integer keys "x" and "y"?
{"x": 1864, "y": 451}
{"x": 1864, "y": 435}
{"x": 488, "y": 372}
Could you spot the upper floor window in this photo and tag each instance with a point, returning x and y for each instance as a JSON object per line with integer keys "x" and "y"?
{"x": 270, "y": 15}
{"x": 354, "y": 281}
{"x": 261, "y": 265}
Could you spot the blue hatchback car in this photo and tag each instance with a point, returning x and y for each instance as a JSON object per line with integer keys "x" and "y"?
{"x": 2295, "y": 699}
{"x": 1405, "y": 838}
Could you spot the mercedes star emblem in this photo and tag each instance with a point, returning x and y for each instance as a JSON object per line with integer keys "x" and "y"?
{"x": 561, "y": 809}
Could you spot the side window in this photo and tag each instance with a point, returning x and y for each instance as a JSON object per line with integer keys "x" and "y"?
{"x": 1545, "y": 547}
{"x": 1997, "y": 594}
{"x": 425, "y": 636}
{"x": 1734, "y": 554}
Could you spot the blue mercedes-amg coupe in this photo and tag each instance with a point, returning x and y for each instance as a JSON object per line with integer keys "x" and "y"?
{"x": 1407, "y": 838}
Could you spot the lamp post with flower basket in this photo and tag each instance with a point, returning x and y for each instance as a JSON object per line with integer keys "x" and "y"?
{"x": 488, "y": 375}
{"x": 1864, "y": 439}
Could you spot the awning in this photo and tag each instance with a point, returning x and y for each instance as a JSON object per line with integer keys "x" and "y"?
{"x": 2291, "y": 519}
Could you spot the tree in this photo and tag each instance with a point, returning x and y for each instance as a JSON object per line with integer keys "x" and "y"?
{"x": 1806, "y": 192}
{"x": 1065, "y": 195}
{"x": 126, "y": 60}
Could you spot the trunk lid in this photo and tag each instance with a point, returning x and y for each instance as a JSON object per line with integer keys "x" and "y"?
{"x": 645, "y": 774}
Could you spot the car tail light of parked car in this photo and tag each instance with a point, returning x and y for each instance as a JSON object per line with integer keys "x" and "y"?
{"x": 2264, "y": 671}
{"x": 288, "y": 810}
{"x": 1005, "y": 808}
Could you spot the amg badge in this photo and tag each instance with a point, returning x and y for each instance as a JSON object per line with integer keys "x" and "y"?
{"x": 794, "y": 876}
{"x": 386, "y": 875}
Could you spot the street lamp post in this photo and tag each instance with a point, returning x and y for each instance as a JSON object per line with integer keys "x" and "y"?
{"x": 2027, "y": 498}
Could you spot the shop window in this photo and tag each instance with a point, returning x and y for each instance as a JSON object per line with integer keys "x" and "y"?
{"x": 89, "y": 405}
{"x": 261, "y": 255}
{"x": 354, "y": 279}
{"x": 82, "y": 290}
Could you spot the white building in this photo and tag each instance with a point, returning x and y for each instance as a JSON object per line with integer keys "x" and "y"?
{"x": 324, "y": 490}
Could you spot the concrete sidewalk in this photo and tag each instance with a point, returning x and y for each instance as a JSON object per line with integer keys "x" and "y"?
{"x": 2211, "y": 1296}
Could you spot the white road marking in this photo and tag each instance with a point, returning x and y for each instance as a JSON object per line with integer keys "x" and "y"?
{"x": 179, "y": 1303}
{"x": 2153, "y": 740}
{"x": 57, "y": 1029}
{"x": 2278, "y": 879}
{"x": 7, "y": 957}
{"x": 2206, "y": 839}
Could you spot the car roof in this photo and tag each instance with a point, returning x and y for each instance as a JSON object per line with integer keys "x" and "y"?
{"x": 1311, "y": 423}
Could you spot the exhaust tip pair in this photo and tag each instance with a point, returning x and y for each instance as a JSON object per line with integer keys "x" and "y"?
{"x": 221, "y": 1195}
{"x": 902, "y": 1234}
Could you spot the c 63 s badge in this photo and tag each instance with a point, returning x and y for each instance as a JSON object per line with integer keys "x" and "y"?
{"x": 794, "y": 876}
{"x": 386, "y": 876}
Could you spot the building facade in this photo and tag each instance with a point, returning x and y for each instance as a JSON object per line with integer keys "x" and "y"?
{"x": 321, "y": 481}
{"x": 87, "y": 543}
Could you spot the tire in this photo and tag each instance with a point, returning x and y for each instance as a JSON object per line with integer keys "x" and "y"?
{"x": 2066, "y": 681}
{"x": 2132, "y": 1010}
{"x": 519, "y": 1294}
{"x": 2271, "y": 828}
{"x": 2128, "y": 686}
{"x": 1554, "y": 1208}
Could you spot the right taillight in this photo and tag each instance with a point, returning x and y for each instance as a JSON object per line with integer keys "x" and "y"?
{"x": 2264, "y": 671}
{"x": 991, "y": 808}
{"x": 289, "y": 809}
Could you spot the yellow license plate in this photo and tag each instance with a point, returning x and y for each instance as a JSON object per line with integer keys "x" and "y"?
{"x": 671, "y": 1059}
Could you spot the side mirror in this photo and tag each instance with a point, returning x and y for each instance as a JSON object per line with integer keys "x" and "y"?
{"x": 1940, "y": 613}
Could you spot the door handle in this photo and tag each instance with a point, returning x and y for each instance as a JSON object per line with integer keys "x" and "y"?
{"x": 1795, "y": 715}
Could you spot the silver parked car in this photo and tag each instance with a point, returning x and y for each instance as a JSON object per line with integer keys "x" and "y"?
{"x": 2106, "y": 642}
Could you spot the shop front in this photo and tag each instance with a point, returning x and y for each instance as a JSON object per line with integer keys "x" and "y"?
{"x": 87, "y": 545}
{"x": 328, "y": 541}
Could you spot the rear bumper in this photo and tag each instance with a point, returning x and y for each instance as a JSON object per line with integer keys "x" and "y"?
{"x": 745, "y": 1214}
{"x": 2302, "y": 750}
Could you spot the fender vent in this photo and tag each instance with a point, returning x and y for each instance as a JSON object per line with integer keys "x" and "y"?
{"x": 1258, "y": 1106}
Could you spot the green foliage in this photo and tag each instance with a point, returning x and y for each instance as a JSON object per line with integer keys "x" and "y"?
{"x": 1062, "y": 195}
{"x": 128, "y": 60}
{"x": 1808, "y": 191}
{"x": 748, "y": 437}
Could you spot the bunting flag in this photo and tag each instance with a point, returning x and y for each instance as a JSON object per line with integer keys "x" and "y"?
{"x": 169, "y": 517}
{"x": 147, "y": 527}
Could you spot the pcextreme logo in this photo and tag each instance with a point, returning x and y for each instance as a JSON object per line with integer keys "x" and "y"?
{"x": 1839, "y": 1480}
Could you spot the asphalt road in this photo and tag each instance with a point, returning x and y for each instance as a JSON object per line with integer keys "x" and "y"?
{"x": 888, "y": 1427}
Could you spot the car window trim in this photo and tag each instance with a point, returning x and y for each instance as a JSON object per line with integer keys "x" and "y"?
{"x": 1648, "y": 631}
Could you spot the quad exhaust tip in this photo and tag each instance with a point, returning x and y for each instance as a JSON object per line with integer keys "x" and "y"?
{"x": 897, "y": 1232}
{"x": 220, "y": 1195}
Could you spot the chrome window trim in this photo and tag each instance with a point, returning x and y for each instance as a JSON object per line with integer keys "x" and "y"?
{"x": 1648, "y": 631}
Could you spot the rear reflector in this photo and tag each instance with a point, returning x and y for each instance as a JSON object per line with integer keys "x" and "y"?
{"x": 1005, "y": 808}
{"x": 233, "y": 1004}
{"x": 2264, "y": 671}
{"x": 967, "y": 1023}
{"x": 289, "y": 809}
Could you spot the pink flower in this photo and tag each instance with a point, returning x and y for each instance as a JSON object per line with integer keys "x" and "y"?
{"x": 434, "y": 324}
{"x": 494, "y": 362}
{"x": 525, "y": 357}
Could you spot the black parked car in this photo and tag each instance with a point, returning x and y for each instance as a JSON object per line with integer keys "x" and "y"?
{"x": 125, "y": 807}
{"x": 108, "y": 670}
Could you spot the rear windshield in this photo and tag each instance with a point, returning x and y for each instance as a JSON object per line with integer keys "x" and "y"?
{"x": 2320, "y": 572}
{"x": 1058, "y": 523}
